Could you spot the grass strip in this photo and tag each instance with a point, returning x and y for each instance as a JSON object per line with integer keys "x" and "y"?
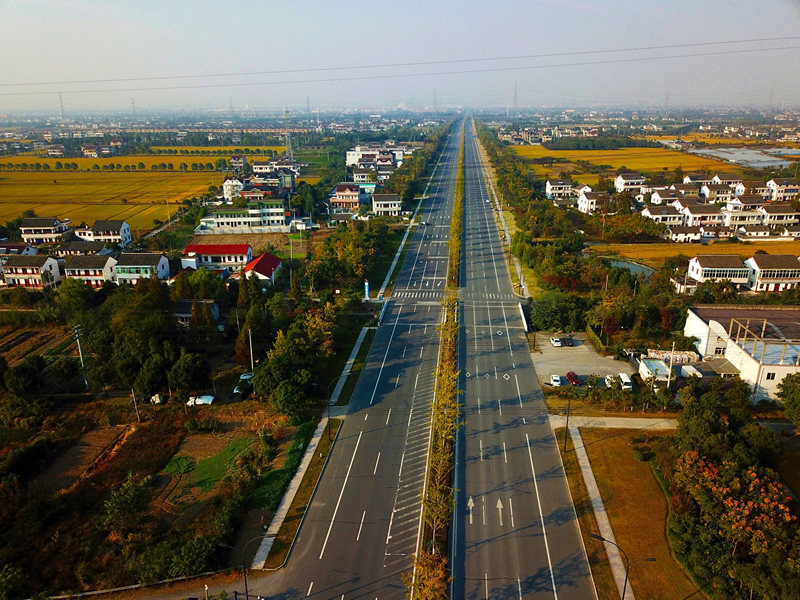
{"x": 294, "y": 517}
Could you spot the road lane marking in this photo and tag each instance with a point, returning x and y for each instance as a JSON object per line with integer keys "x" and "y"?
{"x": 500, "y": 510}
{"x": 388, "y": 347}
{"x": 519, "y": 587}
{"x": 519, "y": 394}
{"x": 309, "y": 589}
{"x": 366, "y": 416}
{"x": 504, "y": 450}
{"x": 495, "y": 372}
{"x": 409, "y": 328}
{"x": 511, "y": 511}
{"x": 404, "y": 350}
{"x": 387, "y": 416}
{"x": 470, "y": 505}
{"x": 420, "y": 351}
{"x": 510, "y": 347}
{"x": 486, "y": 580}
{"x": 410, "y": 412}
{"x": 479, "y": 406}
{"x": 397, "y": 381}
{"x": 377, "y": 460}
{"x": 364, "y": 514}
{"x": 500, "y": 408}
{"x": 389, "y": 533}
{"x": 541, "y": 517}
{"x": 416, "y": 381}
{"x": 481, "y": 443}
{"x": 341, "y": 493}
{"x": 484, "y": 509}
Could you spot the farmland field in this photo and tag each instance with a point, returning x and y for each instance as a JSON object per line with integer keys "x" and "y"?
{"x": 119, "y": 162}
{"x": 219, "y": 149}
{"x": 654, "y": 255}
{"x": 138, "y": 198}
{"x": 639, "y": 159}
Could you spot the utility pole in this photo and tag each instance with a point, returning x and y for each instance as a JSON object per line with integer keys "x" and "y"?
{"x": 671, "y": 358}
{"x": 63, "y": 118}
{"x": 138, "y": 418}
{"x": 80, "y": 353}
{"x": 308, "y": 107}
{"x": 252, "y": 363}
{"x": 289, "y": 152}
{"x": 230, "y": 104}
{"x": 133, "y": 108}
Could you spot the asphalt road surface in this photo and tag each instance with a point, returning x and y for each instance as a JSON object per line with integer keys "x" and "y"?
{"x": 515, "y": 533}
{"x": 363, "y": 527}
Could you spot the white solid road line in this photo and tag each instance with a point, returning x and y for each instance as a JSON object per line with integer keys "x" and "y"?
{"x": 364, "y": 514}
{"x": 341, "y": 493}
{"x": 511, "y": 511}
{"x": 309, "y": 589}
{"x": 387, "y": 417}
{"x": 505, "y": 455}
{"x": 377, "y": 460}
{"x": 519, "y": 394}
{"x": 388, "y": 347}
{"x": 541, "y": 517}
{"x": 481, "y": 443}
{"x": 500, "y": 408}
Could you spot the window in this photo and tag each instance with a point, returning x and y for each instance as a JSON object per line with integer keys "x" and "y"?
{"x": 719, "y": 351}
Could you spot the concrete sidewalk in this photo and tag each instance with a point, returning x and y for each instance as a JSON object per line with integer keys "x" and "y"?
{"x": 600, "y": 515}
{"x": 266, "y": 544}
{"x": 613, "y": 422}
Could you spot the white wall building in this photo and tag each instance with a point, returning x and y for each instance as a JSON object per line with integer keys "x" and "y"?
{"x": 558, "y": 188}
{"x": 386, "y": 205}
{"x": 629, "y": 182}
{"x": 131, "y": 267}
{"x": 783, "y": 189}
{"x": 773, "y": 272}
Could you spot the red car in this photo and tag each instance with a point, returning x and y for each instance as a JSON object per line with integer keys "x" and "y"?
{"x": 573, "y": 378}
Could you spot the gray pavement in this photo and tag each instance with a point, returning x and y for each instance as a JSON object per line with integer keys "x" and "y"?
{"x": 515, "y": 533}
{"x": 581, "y": 358}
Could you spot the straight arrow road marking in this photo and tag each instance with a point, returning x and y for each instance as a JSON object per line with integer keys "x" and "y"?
{"x": 470, "y": 505}
{"x": 500, "y": 510}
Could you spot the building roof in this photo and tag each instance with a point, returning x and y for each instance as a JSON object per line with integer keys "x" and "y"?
{"x": 702, "y": 209}
{"x": 775, "y": 261}
{"x": 265, "y": 265}
{"x": 754, "y": 184}
{"x": 39, "y": 222}
{"x": 784, "y": 181}
{"x": 92, "y": 261}
{"x": 347, "y": 187}
{"x": 720, "y": 261}
{"x": 13, "y": 248}
{"x": 205, "y": 249}
{"x": 108, "y": 225}
{"x": 385, "y": 198}
{"x": 137, "y": 259}
{"x": 747, "y": 229}
{"x": 559, "y": 182}
{"x": 184, "y": 307}
{"x": 698, "y": 177}
{"x": 778, "y": 209}
{"x": 684, "y": 187}
{"x": 630, "y": 176}
{"x": 82, "y": 247}
{"x": 663, "y": 211}
{"x": 728, "y": 177}
{"x": 783, "y": 322}
{"x": 717, "y": 187}
{"x": 680, "y": 229}
{"x": 31, "y": 260}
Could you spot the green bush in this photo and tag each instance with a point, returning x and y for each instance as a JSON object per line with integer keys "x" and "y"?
{"x": 179, "y": 465}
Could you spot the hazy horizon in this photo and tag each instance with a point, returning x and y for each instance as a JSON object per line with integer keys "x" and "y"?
{"x": 310, "y": 43}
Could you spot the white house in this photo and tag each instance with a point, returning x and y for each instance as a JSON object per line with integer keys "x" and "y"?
{"x": 15, "y": 249}
{"x": 590, "y": 201}
{"x": 346, "y": 197}
{"x": 231, "y": 188}
{"x": 216, "y": 256}
{"x": 668, "y": 215}
{"x": 761, "y": 344}
{"x": 44, "y": 230}
{"x": 714, "y": 192}
{"x": 778, "y": 215}
{"x": 729, "y": 179}
{"x": 113, "y": 231}
{"x": 94, "y": 269}
{"x": 31, "y": 271}
{"x": 689, "y": 190}
{"x": 131, "y": 267}
{"x": 629, "y": 182}
{"x": 664, "y": 196}
{"x": 773, "y": 272}
{"x": 263, "y": 267}
{"x": 558, "y": 188}
{"x": 580, "y": 189}
{"x": 696, "y": 179}
{"x": 716, "y": 267}
{"x": 742, "y": 211}
{"x": 783, "y": 189}
{"x": 386, "y": 205}
{"x": 681, "y": 235}
{"x": 701, "y": 214}
{"x": 758, "y": 188}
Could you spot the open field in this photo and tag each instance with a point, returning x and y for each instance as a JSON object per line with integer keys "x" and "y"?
{"x": 79, "y": 196}
{"x": 717, "y": 139}
{"x": 119, "y": 162}
{"x": 637, "y": 159}
{"x": 637, "y": 510}
{"x": 654, "y": 255}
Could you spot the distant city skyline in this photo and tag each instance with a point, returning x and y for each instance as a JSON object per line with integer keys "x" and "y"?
{"x": 296, "y": 55}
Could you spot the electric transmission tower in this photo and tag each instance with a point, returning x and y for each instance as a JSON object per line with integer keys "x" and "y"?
{"x": 61, "y": 103}
{"x": 515, "y": 99}
{"x": 288, "y": 134}
{"x": 133, "y": 108}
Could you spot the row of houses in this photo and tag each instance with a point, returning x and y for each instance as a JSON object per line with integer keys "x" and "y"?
{"x": 348, "y": 198}
{"x": 759, "y": 273}
{"x": 51, "y": 230}
{"x": 38, "y": 271}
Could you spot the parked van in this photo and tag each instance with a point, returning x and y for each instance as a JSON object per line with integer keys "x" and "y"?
{"x": 626, "y": 382}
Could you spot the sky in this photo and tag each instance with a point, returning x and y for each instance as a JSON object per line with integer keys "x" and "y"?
{"x": 317, "y": 45}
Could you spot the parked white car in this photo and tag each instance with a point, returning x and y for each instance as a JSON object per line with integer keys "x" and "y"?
{"x": 198, "y": 400}
{"x": 555, "y": 380}
{"x": 556, "y": 342}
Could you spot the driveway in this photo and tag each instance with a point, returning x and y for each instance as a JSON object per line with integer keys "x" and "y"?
{"x": 581, "y": 358}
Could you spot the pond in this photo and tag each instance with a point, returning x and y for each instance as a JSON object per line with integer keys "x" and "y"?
{"x": 634, "y": 268}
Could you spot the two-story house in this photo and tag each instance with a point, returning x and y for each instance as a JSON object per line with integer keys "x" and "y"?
{"x": 729, "y": 179}
{"x": 667, "y": 215}
{"x": 689, "y": 190}
{"x": 629, "y": 182}
{"x": 664, "y": 196}
{"x": 94, "y": 269}
{"x": 757, "y": 188}
{"x": 107, "y": 231}
{"x": 231, "y": 188}
{"x": 778, "y": 215}
{"x": 697, "y": 179}
{"x": 558, "y": 188}
{"x": 716, "y": 192}
{"x": 216, "y": 256}
{"x": 15, "y": 249}
{"x": 386, "y": 205}
{"x": 346, "y": 198}
{"x": 742, "y": 211}
{"x": 783, "y": 189}
{"x": 44, "y": 230}
{"x": 773, "y": 272}
{"x": 716, "y": 267}
{"x": 131, "y": 267}
{"x": 589, "y": 202}
{"x": 33, "y": 271}
{"x": 702, "y": 214}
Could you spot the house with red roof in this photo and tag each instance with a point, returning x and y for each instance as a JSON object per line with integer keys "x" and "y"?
{"x": 217, "y": 256}
{"x": 265, "y": 267}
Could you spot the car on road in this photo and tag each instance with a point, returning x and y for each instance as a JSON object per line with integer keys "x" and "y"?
{"x": 567, "y": 342}
{"x": 245, "y": 385}
{"x": 573, "y": 378}
{"x": 423, "y": 223}
{"x": 555, "y": 380}
{"x": 556, "y": 342}
{"x": 198, "y": 400}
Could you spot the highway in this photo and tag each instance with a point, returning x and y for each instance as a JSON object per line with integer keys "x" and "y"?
{"x": 515, "y": 533}
{"x": 363, "y": 527}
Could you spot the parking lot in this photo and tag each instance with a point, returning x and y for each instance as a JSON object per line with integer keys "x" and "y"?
{"x": 581, "y": 358}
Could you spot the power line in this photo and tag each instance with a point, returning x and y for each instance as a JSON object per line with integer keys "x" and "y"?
{"x": 407, "y": 75}
{"x": 408, "y": 64}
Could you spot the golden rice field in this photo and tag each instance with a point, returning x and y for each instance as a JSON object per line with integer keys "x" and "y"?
{"x": 219, "y": 149}
{"x": 636, "y": 159}
{"x": 119, "y": 162}
{"x": 654, "y": 255}
{"x": 139, "y": 198}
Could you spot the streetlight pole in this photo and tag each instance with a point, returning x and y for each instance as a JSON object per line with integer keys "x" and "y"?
{"x": 628, "y": 563}
{"x": 244, "y": 568}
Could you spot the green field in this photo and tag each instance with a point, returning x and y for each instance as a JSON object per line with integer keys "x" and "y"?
{"x": 218, "y": 149}
{"x": 138, "y": 198}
